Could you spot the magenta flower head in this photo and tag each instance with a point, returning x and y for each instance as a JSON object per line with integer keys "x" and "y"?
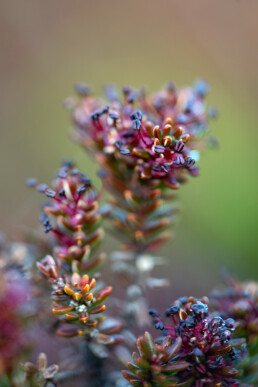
{"x": 196, "y": 349}
{"x": 75, "y": 212}
{"x": 77, "y": 298}
{"x": 144, "y": 144}
{"x": 151, "y": 137}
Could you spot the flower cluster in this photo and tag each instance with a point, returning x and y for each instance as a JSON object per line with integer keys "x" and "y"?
{"x": 197, "y": 349}
{"x": 156, "y": 140}
{"x": 77, "y": 297}
{"x": 76, "y": 214}
{"x": 144, "y": 144}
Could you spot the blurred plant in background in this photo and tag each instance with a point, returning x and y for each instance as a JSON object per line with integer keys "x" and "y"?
{"x": 17, "y": 308}
{"x": 146, "y": 146}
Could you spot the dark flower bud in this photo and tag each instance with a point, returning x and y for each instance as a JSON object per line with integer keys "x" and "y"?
{"x": 199, "y": 311}
{"x": 156, "y": 168}
{"x": 126, "y": 90}
{"x": 189, "y": 321}
{"x": 230, "y": 324}
{"x": 165, "y": 167}
{"x": 201, "y": 87}
{"x": 105, "y": 109}
{"x": 68, "y": 163}
{"x": 170, "y": 87}
{"x": 45, "y": 221}
{"x": 119, "y": 143}
{"x": 85, "y": 180}
{"x": 225, "y": 336}
{"x": 159, "y": 149}
{"x": 189, "y": 162}
{"x": 179, "y": 146}
{"x": 114, "y": 115}
{"x": 159, "y": 325}
{"x": 81, "y": 189}
{"x": 95, "y": 116}
{"x": 197, "y": 352}
{"x": 215, "y": 324}
{"x": 124, "y": 151}
{"x": 189, "y": 105}
{"x": 82, "y": 89}
{"x": 137, "y": 115}
{"x": 131, "y": 98}
{"x": 183, "y": 300}
{"x": 62, "y": 173}
{"x": 42, "y": 188}
{"x": 50, "y": 193}
{"x": 179, "y": 160}
{"x": 31, "y": 182}
{"x": 153, "y": 312}
{"x": 172, "y": 310}
{"x": 137, "y": 125}
{"x": 61, "y": 192}
{"x": 110, "y": 93}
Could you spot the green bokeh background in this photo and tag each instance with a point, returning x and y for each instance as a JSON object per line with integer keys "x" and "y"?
{"x": 47, "y": 46}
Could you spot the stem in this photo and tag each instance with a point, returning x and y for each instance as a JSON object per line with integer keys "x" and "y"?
{"x": 94, "y": 369}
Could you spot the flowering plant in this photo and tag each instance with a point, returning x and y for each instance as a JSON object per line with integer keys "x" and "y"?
{"x": 146, "y": 147}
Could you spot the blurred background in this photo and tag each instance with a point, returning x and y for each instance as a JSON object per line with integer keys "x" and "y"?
{"x": 47, "y": 46}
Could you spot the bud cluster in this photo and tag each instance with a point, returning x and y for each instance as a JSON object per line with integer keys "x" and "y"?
{"x": 144, "y": 144}
{"x": 154, "y": 141}
{"x": 197, "y": 349}
{"x": 75, "y": 223}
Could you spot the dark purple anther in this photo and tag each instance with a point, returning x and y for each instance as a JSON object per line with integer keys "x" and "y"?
{"x": 159, "y": 149}
{"x": 153, "y": 312}
{"x": 230, "y": 324}
{"x": 81, "y": 189}
{"x": 105, "y": 109}
{"x": 137, "y": 115}
{"x": 131, "y": 98}
{"x": 199, "y": 311}
{"x": 95, "y": 116}
{"x": 179, "y": 146}
{"x": 42, "y": 188}
{"x": 165, "y": 167}
{"x": 189, "y": 162}
{"x": 85, "y": 180}
{"x": 172, "y": 310}
{"x": 62, "y": 174}
{"x": 31, "y": 182}
{"x": 159, "y": 325}
{"x": 179, "y": 160}
{"x": 197, "y": 352}
{"x": 124, "y": 151}
{"x": 50, "y": 193}
{"x": 114, "y": 115}
{"x": 225, "y": 336}
{"x": 126, "y": 90}
{"x": 201, "y": 87}
{"x": 215, "y": 324}
{"x": 137, "y": 125}
{"x": 82, "y": 89}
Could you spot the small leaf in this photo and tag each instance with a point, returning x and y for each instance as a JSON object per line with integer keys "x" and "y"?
{"x": 62, "y": 309}
{"x": 178, "y": 365}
